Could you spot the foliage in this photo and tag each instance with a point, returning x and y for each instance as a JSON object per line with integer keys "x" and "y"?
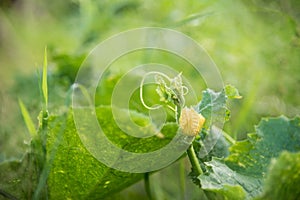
{"x": 245, "y": 169}
{"x": 68, "y": 170}
{"x": 254, "y": 43}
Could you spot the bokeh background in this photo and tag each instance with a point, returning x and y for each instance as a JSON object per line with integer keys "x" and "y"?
{"x": 255, "y": 44}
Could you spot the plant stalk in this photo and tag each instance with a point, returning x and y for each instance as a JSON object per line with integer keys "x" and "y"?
{"x": 194, "y": 160}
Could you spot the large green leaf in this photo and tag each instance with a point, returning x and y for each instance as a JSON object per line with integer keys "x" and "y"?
{"x": 272, "y": 136}
{"x": 70, "y": 170}
{"x": 248, "y": 162}
{"x": 76, "y": 174}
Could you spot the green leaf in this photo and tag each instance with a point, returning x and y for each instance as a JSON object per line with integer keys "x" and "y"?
{"x": 212, "y": 107}
{"x": 28, "y": 121}
{"x": 272, "y": 136}
{"x": 218, "y": 143}
{"x": 44, "y": 80}
{"x": 229, "y": 193}
{"x": 76, "y": 174}
{"x": 214, "y": 145}
{"x": 283, "y": 178}
{"x": 211, "y": 141}
{"x": 219, "y": 178}
{"x": 249, "y": 160}
{"x": 232, "y": 92}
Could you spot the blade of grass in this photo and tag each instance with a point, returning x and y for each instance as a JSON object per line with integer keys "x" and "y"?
{"x": 28, "y": 121}
{"x": 44, "y": 81}
{"x": 85, "y": 92}
{"x": 191, "y": 18}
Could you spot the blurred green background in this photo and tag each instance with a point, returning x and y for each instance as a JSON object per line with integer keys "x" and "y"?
{"x": 255, "y": 44}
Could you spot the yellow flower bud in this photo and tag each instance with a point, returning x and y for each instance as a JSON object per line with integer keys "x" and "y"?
{"x": 190, "y": 121}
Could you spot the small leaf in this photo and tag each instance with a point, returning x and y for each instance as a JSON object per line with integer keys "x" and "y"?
{"x": 231, "y": 92}
{"x": 212, "y": 107}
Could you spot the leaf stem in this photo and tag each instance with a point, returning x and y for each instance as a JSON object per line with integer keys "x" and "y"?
{"x": 194, "y": 160}
{"x": 228, "y": 137}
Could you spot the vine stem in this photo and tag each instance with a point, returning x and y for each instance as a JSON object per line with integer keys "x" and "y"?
{"x": 194, "y": 160}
